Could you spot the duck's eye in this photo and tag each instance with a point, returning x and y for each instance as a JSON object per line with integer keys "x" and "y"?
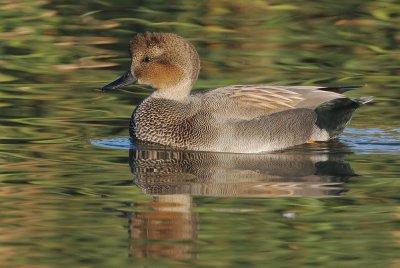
{"x": 146, "y": 59}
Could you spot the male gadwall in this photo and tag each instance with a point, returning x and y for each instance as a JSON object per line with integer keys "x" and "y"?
{"x": 238, "y": 119}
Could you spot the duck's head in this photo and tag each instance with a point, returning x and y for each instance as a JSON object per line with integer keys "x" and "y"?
{"x": 165, "y": 61}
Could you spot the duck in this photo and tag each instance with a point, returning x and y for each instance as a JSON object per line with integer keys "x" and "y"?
{"x": 232, "y": 119}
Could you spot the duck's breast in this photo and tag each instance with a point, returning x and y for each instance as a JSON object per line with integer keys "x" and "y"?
{"x": 173, "y": 123}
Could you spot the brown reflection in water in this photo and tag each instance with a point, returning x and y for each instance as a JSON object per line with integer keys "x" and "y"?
{"x": 396, "y": 235}
{"x": 168, "y": 229}
{"x": 20, "y": 227}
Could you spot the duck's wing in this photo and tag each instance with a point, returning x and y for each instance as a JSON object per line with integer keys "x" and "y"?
{"x": 272, "y": 99}
{"x": 262, "y": 97}
{"x": 313, "y": 96}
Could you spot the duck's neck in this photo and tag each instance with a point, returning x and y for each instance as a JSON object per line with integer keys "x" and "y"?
{"x": 178, "y": 92}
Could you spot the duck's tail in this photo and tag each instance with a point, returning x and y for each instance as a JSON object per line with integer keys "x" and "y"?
{"x": 339, "y": 90}
{"x": 364, "y": 100}
{"x": 333, "y": 116}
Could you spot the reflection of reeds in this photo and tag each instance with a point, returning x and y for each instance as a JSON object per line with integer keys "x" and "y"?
{"x": 396, "y": 235}
{"x": 22, "y": 226}
{"x": 87, "y": 63}
{"x": 33, "y": 44}
{"x": 262, "y": 41}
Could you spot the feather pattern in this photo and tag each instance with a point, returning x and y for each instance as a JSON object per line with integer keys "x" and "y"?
{"x": 268, "y": 98}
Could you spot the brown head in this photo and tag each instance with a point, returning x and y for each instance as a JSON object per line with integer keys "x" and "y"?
{"x": 165, "y": 61}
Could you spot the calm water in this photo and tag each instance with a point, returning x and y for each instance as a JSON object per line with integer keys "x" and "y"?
{"x": 75, "y": 192}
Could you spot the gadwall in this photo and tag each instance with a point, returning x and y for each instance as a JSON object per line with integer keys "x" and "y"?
{"x": 237, "y": 119}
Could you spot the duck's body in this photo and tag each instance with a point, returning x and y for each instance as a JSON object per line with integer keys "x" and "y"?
{"x": 239, "y": 119}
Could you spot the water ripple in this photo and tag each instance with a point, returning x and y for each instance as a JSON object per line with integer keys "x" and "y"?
{"x": 360, "y": 141}
{"x": 373, "y": 140}
{"x": 115, "y": 143}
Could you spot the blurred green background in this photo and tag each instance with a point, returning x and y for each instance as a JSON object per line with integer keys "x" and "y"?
{"x": 65, "y": 202}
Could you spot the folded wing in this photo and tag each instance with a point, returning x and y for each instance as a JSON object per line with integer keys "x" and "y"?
{"x": 250, "y": 101}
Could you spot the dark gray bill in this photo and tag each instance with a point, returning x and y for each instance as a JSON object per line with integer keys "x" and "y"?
{"x": 126, "y": 79}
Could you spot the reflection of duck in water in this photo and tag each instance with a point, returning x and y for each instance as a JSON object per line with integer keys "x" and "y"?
{"x": 288, "y": 173}
{"x": 240, "y": 118}
{"x": 167, "y": 227}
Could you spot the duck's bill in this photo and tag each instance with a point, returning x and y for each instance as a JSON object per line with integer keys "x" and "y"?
{"x": 126, "y": 79}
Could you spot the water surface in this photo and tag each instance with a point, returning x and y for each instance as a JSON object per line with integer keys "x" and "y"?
{"x": 76, "y": 192}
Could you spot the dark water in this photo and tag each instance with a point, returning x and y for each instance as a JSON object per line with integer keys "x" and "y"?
{"x": 75, "y": 192}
